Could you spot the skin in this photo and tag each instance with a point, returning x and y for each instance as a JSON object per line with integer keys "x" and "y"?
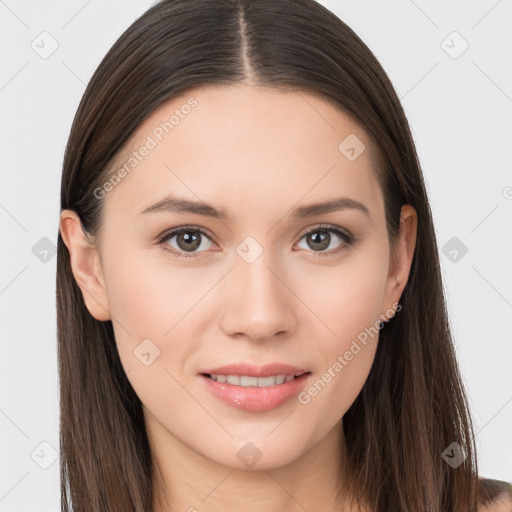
{"x": 258, "y": 153}
{"x": 502, "y": 504}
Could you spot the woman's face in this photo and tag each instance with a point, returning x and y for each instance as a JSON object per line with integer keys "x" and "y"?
{"x": 255, "y": 289}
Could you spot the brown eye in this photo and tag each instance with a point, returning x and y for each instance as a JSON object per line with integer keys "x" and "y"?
{"x": 320, "y": 239}
{"x": 188, "y": 240}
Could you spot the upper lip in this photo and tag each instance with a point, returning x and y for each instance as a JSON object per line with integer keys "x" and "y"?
{"x": 251, "y": 370}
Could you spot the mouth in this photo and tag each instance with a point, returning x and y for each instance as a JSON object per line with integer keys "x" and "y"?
{"x": 253, "y": 393}
{"x": 252, "y": 381}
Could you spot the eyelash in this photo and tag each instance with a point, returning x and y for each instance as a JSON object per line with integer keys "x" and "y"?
{"x": 347, "y": 239}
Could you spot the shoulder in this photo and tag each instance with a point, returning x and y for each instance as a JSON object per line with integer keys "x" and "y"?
{"x": 494, "y": 496}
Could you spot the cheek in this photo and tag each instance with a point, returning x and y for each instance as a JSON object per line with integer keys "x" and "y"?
{"x": 146, "y": 309}
{"x": 144, "y": 304}
{"x": 155, "y": 308}
{"x": 347, "y": 358}
{"x": 349, "y": 304}
{"x": 148, "y": 296}
{"x": 348, "y": 298}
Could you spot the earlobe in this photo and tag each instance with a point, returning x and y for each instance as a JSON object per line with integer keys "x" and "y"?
{"x": 403, "y": 253}
{"x": 85, "y": 265}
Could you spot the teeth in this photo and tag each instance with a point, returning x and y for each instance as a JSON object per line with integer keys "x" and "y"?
{"x": 233, "y": 379}
{"x": 246, "y": 381}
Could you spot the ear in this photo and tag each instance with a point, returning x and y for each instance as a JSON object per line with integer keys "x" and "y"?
{"x": 85, "y": 265}
{"x": 401, "y": 260}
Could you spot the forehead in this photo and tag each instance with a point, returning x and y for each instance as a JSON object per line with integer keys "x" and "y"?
{"x": 246, "y": 145}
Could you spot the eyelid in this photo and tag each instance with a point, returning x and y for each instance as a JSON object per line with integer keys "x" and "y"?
{"x": 174, "y": 231}
{"x": 327, "y": 227}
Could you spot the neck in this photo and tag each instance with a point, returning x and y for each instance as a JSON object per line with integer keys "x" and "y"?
{"x": 187, "y": 481}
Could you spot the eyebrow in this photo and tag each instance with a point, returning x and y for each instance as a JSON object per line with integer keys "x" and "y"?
{"x": 182, "y": 205}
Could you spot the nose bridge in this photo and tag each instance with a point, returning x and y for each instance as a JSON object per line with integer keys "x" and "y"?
{"x": 258, "y": 303}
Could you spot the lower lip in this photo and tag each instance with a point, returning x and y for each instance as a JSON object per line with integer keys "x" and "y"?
{"x": 256, "y": 399}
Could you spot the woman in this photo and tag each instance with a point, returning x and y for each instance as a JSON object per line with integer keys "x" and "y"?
{"x": 250, "y": 306}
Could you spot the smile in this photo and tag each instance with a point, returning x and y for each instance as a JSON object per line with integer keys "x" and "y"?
{"x": 255, "y": 394}
{"x": 247, "y": 381}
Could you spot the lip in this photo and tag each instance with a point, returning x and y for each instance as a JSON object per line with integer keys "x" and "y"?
{"x": 252, "y": 398}
{"x": 256, "y": 371}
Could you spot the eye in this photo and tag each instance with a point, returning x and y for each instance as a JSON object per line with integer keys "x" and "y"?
{"x": 320, "y": 239}
{"x": 188, "y": 240}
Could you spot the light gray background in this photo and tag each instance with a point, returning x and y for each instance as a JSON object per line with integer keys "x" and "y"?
{"x": 460, "y": 111}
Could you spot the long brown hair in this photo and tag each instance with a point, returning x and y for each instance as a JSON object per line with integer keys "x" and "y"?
{"x": 413, "y": 405}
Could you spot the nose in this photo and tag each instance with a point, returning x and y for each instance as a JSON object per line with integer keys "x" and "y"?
{"x": 258, "y": 303}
